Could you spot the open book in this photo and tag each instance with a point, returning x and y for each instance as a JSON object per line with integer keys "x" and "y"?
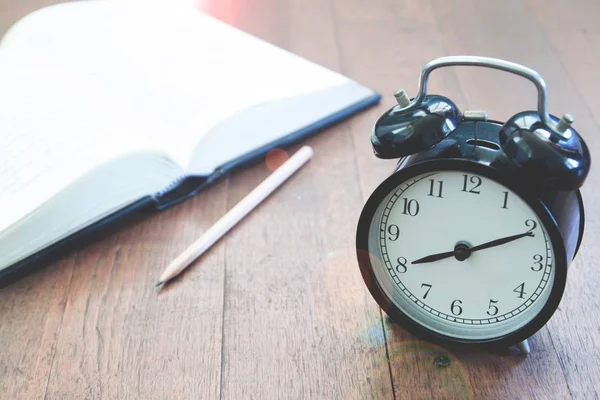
{"x": 107, "y": 107}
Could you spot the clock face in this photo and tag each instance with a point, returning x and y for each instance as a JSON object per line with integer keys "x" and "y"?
{"x": 461, "y": 255}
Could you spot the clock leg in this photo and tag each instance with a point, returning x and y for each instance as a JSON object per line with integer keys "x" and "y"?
{"x": 524, "y": 347}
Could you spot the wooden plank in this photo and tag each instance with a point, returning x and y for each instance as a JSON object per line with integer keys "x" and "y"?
{"x": 298, "y": 320}
{"x": 92, "y": 325}
{"x": 11, "y": 11}
{"x": 472, "y": 33}
{"x": 572, "y": 332}
{"x": 118, "y": 338}
{"x": 463, "y": 28}
{"x": 31, "y": 312}
{"x": 573, "y": 32}
{"x": 384, "y": 45}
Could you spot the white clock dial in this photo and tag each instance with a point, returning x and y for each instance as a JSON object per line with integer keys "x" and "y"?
{"x": 473, "y": 293}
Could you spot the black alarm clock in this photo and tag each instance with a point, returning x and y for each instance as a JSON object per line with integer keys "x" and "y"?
{"x": 470, "y": 239}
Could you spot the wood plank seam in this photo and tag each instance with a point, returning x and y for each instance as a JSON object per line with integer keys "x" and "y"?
{"x": 576, "y": 90}
{"x": 564, "y": 67}
{"x": 224, "y": 299}
{"x": 348, "y": 131}
{"x": 62, "y": 315}
{"x": 558, "y": 61}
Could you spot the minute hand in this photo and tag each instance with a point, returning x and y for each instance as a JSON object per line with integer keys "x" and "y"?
{"x": 466, "y": 251}
{"x": 498, "y": 242}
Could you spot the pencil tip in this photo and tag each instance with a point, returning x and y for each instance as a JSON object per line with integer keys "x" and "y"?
{"x": 158, "y": 283}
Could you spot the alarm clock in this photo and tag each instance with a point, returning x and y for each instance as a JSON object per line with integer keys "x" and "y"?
{"x": 470, "y": 239}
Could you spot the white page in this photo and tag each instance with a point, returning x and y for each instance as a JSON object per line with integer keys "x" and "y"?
{"x": 53, "y": 130}
{"x": 170, "y": 64}
{"x": 259, "y": 126}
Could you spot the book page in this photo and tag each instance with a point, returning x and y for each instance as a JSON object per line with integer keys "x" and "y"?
{"x": 266, "y": 125}
{"x": 173, "y": 66}
{"x": 53, "y": 130}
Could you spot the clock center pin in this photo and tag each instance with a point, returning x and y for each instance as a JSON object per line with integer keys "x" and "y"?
{"x": 462, "y": 251}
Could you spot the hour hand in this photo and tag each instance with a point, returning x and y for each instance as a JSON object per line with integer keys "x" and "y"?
{"x": 434, "y": 257}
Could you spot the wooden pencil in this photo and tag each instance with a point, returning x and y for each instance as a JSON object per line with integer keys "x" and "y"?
{"x": 243, "y": 208}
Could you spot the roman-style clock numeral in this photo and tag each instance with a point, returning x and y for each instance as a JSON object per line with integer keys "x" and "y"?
{"x": 401, "y": 267}
{"x": 394, "y": 232}
{"x": 411, "y": 207}
{"x": 505, "y": 200}
{"x": 456, "y": 308}
{"x": 538, "y": 263}
{"x": 492, "y": 309}
{"x": 428, "y": 286}
{"x": 520, "y": 290}
{"x": 531, "y": 224}
{"x": 475, "y": 183}
{"x": 433, "y": 186}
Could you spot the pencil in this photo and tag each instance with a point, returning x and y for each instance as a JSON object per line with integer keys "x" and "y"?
{"x": 243, "y": 208}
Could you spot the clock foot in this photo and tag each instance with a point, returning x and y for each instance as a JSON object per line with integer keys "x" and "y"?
{"x": 524, "y": 347}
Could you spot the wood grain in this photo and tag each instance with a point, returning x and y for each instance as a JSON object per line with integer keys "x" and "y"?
{"x": 284, "y": 315}
{"x": 577, "y": 333}
{"x": 570, "y": 331}
{"x": 278, "y": 308}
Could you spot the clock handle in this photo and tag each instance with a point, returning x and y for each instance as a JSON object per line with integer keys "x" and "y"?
{"x": 557, "y": 129}
{"x": 546, "y": 149}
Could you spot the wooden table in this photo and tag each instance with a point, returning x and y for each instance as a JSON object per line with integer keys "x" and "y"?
{"x": 278, "y": 310}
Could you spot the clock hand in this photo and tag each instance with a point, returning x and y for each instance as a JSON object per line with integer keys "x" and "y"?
{"x": 462, "y": 252}
{"x": 498, "y": 242}
{"x": 434, "y": 257}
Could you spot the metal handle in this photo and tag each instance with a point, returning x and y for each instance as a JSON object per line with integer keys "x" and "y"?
{"x": 494, "y": 63}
